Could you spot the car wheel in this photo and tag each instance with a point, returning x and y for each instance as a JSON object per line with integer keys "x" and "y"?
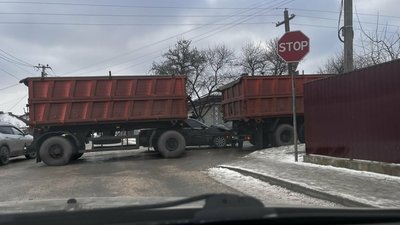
{"x": 56, "y": 151}
{"x": 171, "y": 144}
{"x": 219, "y": 142}
{"x": 4, "y": 155}
{"x": 31, "y": 155}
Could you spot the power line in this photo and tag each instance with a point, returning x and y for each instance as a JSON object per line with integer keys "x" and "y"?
{"x": 335, "y": 12}
{"x": 23, "y": 97}
{"x": 154, "y": 43}
{"x": 127, "y": 15}
{"x": 157, "y": 51}
{"x": 18, "y": 59}
{"x": 122, "y": 24}
{"x": 8, "y": 59}
{"x": 10, "y": 74}
{"x": 121, "y": 6}
{"x": 243, "y": 21}
{"x": 364, "y": 22}
{"x": 215, "y": 31}
{"x": 7, "y": 87}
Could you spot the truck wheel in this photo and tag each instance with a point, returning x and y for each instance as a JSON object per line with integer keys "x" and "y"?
{"x": 265, "y": 140}
{"x": 4, "y": 155}
{"x": 56, "y": 151}
{"x": 76, "y": 156}
{"x": 283, "y": 135}
{"x": 154, "y": 145}
{"x": 302, "y": 137}
{"x": 171, "y": 144}
{"x": 240, "y": 143}
{"x": 219, "y": 142}
{"x": 31, "y": 155}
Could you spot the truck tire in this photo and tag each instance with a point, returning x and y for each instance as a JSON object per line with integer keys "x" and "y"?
{"x": 302, "y": 137}
{"x": 4, "y": 155}
{"x": 283, "y": 135}
{"x": 265, "y": 140}
{"x": 56, "y": 151}
{"x": 219, "y": 141}
{"x": 240, "y": 143}
{"x": 31, "y": 155}
{"x": 171, "y": 144}
{"x": 76, "y": 156}
{"x": 30, "y": 152}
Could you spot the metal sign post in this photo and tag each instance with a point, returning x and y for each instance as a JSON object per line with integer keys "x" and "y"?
{"x": 292, "y": 47}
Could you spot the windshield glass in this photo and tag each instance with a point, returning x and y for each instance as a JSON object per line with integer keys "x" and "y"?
{"x": 292, "y": 102}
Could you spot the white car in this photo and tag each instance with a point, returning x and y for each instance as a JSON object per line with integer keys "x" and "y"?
{"x": 14, "y": 142}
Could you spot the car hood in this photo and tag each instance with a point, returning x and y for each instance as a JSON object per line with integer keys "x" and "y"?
{"x": 86, "y": 203}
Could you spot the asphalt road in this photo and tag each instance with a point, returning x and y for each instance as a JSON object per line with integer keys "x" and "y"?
{"x": 138, "y": 173}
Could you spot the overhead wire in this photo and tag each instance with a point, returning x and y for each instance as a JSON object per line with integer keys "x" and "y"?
{"x": 122, "y": 6}
{"x": 215, "y": 31}
{"x": 10, "y": 74}
{"x": 8, "y": 59}
{"x": 154, "y": 43}
{"x": 335, "y": 12}
{"x": 7, "y": 87}
{"x": 16, "y": 58}
{"x": 119, "y": 24}
{"x": 193, "y": 38}
{"x": 165, "y": 7}
{"x": 127, "y": 15}
{"x": 18, "y": 101}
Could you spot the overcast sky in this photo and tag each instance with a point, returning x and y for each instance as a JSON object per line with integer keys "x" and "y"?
{"x": 89, "y": 37}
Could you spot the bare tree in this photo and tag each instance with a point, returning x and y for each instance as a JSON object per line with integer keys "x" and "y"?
{"x": 220, "y": 61}
{"x": 333, "y": 65}
{"x": 377, "y": 47}
{"x": 206, "y": 71}
{"x": 252, "y": 59}
{"x": 177, "y": 61}
{"x": 275, "y": 65}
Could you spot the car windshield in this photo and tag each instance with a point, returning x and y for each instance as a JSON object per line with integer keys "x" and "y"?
{"x": 115, "y": 103}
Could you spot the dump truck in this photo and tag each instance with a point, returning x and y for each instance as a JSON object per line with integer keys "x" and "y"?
{"x": 66, "y": 114}
{"x": 260, "y": 109}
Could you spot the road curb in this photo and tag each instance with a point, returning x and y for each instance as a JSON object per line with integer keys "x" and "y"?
{"x": 299, "y": 188}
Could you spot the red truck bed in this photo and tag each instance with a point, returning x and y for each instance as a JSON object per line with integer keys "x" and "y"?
{"x": 84, "y": 100}
{"x": 256, "y": 97}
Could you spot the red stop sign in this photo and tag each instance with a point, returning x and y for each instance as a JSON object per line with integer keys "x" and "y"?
{"x": 293, "y": 46}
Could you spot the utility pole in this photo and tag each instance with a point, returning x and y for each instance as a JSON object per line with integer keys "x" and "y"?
{"x": 291, "y": 68}
{"x": 287, "y": 29}
{"x": 43, "y": 68}
{"x": 348, "y": 35}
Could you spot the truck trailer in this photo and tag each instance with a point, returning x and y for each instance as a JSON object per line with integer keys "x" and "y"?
{"x": 67, "y": 113}
{"x": 260, "y": 108}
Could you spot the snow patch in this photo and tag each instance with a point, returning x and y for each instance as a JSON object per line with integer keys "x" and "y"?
{"x": 286, "y": 154}
{"x": 270, "y": 195}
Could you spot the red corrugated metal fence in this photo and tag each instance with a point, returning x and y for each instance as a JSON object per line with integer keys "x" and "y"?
{"x": 355, "y": 115}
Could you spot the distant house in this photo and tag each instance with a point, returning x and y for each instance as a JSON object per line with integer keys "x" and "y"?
{"x": 211, "y": 108}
